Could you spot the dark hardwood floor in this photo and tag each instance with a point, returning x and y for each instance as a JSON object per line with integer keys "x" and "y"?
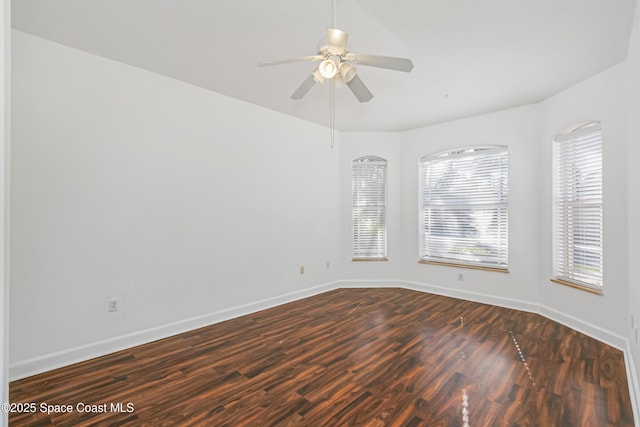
{"x": 367, "y": 357}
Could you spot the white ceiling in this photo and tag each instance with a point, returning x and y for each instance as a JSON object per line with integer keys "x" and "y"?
{"x": 470, "y": 56}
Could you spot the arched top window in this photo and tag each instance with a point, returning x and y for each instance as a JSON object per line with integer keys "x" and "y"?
{"x": 578, "y": 127}
{"x": 369, "y": 159}
{"x": 577, "y": 205}
{"x": 461, "y": 152}
{"x": 368, "y": 201}
{"x": 463, "y": 199}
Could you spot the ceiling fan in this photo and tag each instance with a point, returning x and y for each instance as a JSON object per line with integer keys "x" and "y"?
{"x": 337, "y": 65}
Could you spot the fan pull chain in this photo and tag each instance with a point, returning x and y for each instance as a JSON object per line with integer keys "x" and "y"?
{"x": 332, "y": 112}
{"x": 332, "y": 107}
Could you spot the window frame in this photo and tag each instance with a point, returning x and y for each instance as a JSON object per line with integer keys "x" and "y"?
{"x": 564, "y": 245}
{"x": 501, "y": 263}
{"x": 359, "y": 250}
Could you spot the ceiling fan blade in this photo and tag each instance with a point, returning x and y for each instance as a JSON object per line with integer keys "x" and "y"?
{"x": 337, "y": 39}
{"x": 304, "y": 88}
{"x": 292, "y": 60}
{"x": 359, "y": 89}
{"x": 388, "y": 62}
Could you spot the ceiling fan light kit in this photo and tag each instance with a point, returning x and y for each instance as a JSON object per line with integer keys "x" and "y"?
{"x": 347, "y": 72}
{"x": 328, "y": 68}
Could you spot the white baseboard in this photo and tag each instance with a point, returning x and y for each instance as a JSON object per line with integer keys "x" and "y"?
{"x": 369, "y": 284}
{"x": 48, "y": 362}
{"x": 472, "y": 296}
{"x": 632, "y": 379}
{"x": 586, "y": 328}
{"x": 26, "y": 368}
{"x": 579, "y": 325}
{"x": 438, "y": 290}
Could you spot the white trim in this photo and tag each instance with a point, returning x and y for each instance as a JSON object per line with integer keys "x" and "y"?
{"x": 59, "y": 359}
{"x": 56, "y": 360}
{"x": 593, "y": 331}
{"x": 585, "y": 328}
{"x": 581, "y": 326}
{"x": 632, "y": 379}
{"x": 349, "y": 283}
{"x": 472, "y": 296}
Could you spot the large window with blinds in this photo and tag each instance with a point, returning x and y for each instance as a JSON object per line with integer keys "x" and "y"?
{"x": 368, "y": 192}
{"x": 578, "y": 207}
{"x": 463, "y": 208}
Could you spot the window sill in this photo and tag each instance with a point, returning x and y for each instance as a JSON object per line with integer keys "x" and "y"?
{"x": 370, "y": 259}
{"x": 577, "y": 286}
{"x": 469, "y": 266}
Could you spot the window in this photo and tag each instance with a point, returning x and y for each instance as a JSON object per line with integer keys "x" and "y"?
{"x": 578, "y": 207}
{"x": 368, "y": 188}
{"x": 463, "y": 208}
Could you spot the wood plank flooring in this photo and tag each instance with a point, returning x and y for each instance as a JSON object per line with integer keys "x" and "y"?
{"x": 365, "y": 357}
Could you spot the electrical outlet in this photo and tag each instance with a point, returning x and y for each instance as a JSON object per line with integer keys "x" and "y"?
{"x": 460, "y": 277}
{"x": 113, "y": 305}
{"x": 302, "y": 269}
{"x": 328, "y": 265}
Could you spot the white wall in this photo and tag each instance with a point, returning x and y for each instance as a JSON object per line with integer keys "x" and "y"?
{"x": 602, "y": 98}
{"x": 5, "y": 61}
{"x": 612, "y": 97}
{"x": 519, "y": 130}
{"x": 177, "y": 201}
{"x": 129, "y": 185}
{"x": 528, "y": 132}
{"x": 633, "y": 189}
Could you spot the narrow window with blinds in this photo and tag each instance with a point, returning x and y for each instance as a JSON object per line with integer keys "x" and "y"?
{"x": 577, "y": 208}
{"x": 464, "y": 208}
{"x": 368, "y": 192}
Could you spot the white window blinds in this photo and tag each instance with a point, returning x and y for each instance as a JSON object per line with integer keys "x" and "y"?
{"x": 368, "y": 188}
{"x": 464, "y": 207}
{"x": 578, "y": 206}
